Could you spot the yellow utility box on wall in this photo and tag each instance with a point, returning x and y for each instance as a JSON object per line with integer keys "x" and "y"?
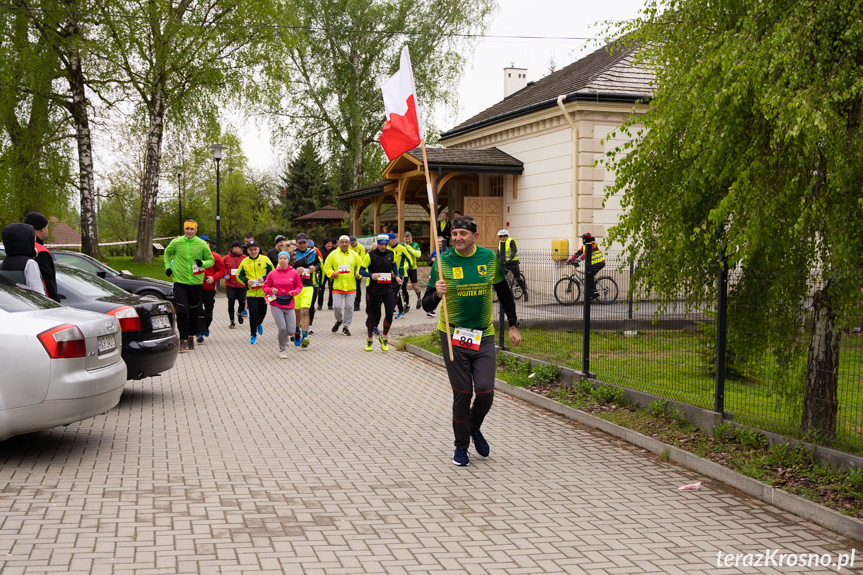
{"x": 559, "y": 250}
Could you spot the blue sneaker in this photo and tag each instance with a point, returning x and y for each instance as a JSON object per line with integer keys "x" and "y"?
{"x": 207, "y": 332}
{"x": 245, "y": 313}
{"x": 253, "y": 339}
{"x": 480, "y": 444}
{"x": 400, "y": 315}
{"x": 460, "y": 457}
{"x": 297, "y": 341}
{"x": 260, "y": 330}
{"x": 376, "y": 332}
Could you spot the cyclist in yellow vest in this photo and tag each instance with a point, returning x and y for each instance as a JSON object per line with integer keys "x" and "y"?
{"x": 508, "y": 253}
{"x": 597, "y": 258}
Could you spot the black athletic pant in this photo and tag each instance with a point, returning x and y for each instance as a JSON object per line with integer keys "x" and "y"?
{"x": 311, "y": 309}
{"x": 205, "y": 317}
{"x": 237, "y": 294}
{"x": 321, "y": 290}
{"x": 373, "y": 311}
{"x": 187, "y": 300}
{"x": 359, "y": 294}
{"x": 257, "y": 313}
{"x": 470, "y": 372}
{"x": 398, "y": 296}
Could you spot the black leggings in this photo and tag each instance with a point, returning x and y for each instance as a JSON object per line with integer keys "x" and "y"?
{"x": 257, "y": 313}
{"x": 205, "y": 317}
{"x": 237, "y": 294}
{"x": 187, "y": 300}
{"x": 471, "y": 375}
{"x": 373, "y": 311}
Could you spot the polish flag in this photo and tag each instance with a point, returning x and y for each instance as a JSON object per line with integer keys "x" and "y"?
{"x": 403, "y": 129}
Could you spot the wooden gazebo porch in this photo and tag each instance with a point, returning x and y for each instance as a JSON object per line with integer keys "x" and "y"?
{"x": 470, "y": 181}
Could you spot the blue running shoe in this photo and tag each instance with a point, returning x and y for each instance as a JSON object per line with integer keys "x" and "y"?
{"x": 253, "y": 339}
{"x": 376, "y": 332}
{"x": 400, "y": 315}
{"x": 207, "y": 332}
{"x": 480, "y": 444}
{"x": 245, "y": 313}
{"x": 460, "y": 457}
{"x": 297, "y": 341}
{"x": 260, "y": 330}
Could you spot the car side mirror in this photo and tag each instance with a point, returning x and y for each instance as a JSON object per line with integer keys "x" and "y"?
{"x": 101, "y": 273}
{"x": 61, "y": 296}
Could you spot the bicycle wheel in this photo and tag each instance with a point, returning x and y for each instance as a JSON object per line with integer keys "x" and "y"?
{"x": 607, "y": 289}
{"x": 516, "y": 289}
{"x": 567, "y": 291}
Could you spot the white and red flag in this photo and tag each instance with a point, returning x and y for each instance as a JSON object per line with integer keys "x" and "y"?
{"x": 403, "y": 129}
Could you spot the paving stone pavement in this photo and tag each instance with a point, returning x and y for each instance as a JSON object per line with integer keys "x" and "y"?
{"x": 338, "y": 461}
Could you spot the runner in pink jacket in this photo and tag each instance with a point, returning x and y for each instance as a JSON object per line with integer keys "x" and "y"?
{"x": 280, "y": 287}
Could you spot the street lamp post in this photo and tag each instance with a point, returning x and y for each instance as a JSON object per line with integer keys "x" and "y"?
{"x": 180, "y": 199}
{"x": 217, "y": 155}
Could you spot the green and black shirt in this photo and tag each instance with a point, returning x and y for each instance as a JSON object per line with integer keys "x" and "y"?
{"x": 469, "y": 281}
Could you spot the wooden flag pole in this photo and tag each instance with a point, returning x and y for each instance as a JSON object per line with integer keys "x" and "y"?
{"x": 436, "y": 247}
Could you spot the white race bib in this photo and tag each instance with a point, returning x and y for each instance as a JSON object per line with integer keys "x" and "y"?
{"x": 234, "y": 272}
{"x": 467, "y": 338}
{"x": 344, "y": 269}
{"x": 306, "y": 273}
{"x": 269, "y": 297}
{"x": 385, "y": 278}
{"x": 197, "y": 270}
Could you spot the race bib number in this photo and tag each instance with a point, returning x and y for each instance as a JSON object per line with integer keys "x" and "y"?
{"x": 269, "y": 297}
{"x": 255, "y": 283}
{"x": 234, "y": 272}
{"x": 467, "y": 338}
{"x": 306, "y": 273}
{"x": 385, "y": 278}
{"x": 197, "y": 270}
{"x": 344, "y": 269}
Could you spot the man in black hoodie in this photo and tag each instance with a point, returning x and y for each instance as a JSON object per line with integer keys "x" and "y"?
{"x": 43, "y": 256}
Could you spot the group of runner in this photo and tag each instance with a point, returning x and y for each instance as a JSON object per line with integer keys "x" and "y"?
{"x": 288, "y": 280}
{"x": 288, "y": 288}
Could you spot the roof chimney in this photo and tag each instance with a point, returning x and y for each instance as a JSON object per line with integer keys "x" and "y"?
{"x": 514, "y": 79}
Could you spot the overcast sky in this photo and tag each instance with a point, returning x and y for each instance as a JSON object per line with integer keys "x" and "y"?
{"x": 482, "y": 83}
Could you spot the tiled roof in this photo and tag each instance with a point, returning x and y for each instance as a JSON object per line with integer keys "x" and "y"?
{"x": 325, "y": 213}
{"x": 608, "y": 74}
{"x": 61, "y": 233}
{"x": 490, "y": 157}
{"x": 413, "y": 213}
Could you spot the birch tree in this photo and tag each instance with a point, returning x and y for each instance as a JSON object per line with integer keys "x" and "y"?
{"x": 183, "y": 61}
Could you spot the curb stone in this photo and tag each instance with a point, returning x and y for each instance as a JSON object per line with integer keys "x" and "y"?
{"x": 823, "y": 516}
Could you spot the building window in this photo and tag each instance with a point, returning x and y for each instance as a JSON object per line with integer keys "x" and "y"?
{"x": 495, "y": 186}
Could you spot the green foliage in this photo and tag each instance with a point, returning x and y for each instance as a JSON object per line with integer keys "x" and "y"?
{"x": 658, "y": 408}
{"x": 751, "y": 144}
{"x": 608, "y": 394}
{"x": 545, "y": 373}
{"x": 584, "y": 388}
{"x": 783, "y": 455}
{"x": 304, "y": 184}
{"x": 513, "y": 364}
{"x": 334, "y": 72}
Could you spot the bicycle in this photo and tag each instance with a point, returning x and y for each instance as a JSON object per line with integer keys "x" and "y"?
{"x": 514, "y": 286}
{"x": 567, "y": 290}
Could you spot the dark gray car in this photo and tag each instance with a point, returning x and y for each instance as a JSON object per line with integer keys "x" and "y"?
{"x": 131, "y": 283}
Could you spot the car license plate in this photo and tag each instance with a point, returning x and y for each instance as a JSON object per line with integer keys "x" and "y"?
{"x": 160, "y": 322}
{"x": 106, "y": 343}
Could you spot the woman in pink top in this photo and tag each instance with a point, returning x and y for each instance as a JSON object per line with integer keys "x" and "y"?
{"x": 280, "y": 287}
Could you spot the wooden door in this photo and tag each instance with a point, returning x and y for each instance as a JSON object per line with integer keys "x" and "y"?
{"x": 488, "y": 214}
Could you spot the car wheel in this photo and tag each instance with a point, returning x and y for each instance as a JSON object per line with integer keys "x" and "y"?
{"x": 151, "y": 293}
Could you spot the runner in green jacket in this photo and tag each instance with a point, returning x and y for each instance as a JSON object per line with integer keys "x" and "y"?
{"x": 186, "y": 258}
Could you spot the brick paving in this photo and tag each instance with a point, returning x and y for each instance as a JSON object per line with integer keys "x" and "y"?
{"x": 338, "y": 461}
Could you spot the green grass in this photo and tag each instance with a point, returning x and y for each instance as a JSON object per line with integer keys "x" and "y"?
{"x": 153, "y": 270}
{"x": 668, "y": 364}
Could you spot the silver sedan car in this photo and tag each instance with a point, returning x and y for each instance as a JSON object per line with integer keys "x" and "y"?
{"x": 57, "y": 365}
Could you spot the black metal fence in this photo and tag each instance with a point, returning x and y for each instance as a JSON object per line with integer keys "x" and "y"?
{"x": 760, "y": 376}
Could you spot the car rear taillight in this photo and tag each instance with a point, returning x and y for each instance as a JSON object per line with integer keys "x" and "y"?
{"x": 128, "y": 318}
{"x": 64, "y": 342}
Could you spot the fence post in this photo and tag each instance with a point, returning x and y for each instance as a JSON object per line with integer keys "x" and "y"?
{"x": 500, "y": 338}
{"x": 721, "y": 333}
{"x": 588, "y": 292}
{"x": 630, "y": 298}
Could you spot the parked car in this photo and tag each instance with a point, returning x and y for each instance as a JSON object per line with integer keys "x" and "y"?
{"x": 60, "y": 365}
{"x": 150, "y": 345}
{"x": 126, "y": 280}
